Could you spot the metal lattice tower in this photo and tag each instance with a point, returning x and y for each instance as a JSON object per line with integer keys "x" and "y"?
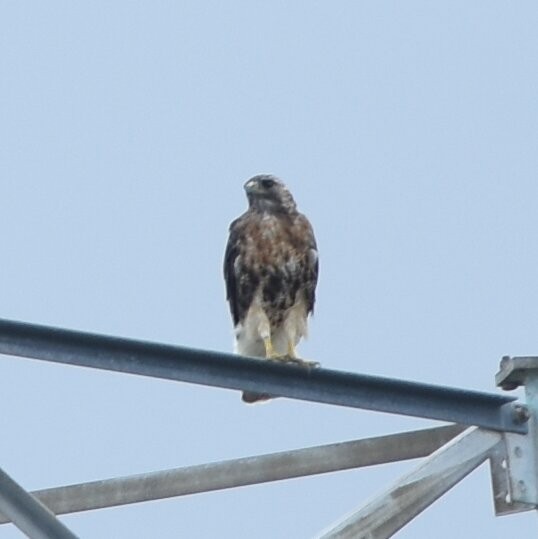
{"x": 486, "y": 426}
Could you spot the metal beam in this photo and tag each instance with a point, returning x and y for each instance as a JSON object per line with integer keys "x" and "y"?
{"x": 29, "y": 514}
{"x": 385, "y": 515}
{"x": 245, "y": 471}
{"x": 488, "y": 410}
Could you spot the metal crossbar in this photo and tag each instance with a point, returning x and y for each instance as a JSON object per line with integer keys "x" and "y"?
{"x": 492, "y": 411}
{"x": 244, "y": 471}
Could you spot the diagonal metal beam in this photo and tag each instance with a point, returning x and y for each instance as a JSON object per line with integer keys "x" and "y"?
{"x": 29, "y": 514}
{"x": 389, "y": 512}
{"x": 487, "y": 410}
{"x": 245, "y": 471}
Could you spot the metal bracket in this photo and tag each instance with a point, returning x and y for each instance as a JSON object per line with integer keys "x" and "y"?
{"x": 510, "y": 475}
{"x": 514, "y": 465}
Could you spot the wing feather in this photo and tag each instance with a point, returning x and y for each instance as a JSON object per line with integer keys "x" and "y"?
{"x": 230, "y": 277}
{"x": 311, "y": 265}
{"x": 241, "y": 281}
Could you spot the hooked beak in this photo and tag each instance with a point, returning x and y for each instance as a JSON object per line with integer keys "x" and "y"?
{"x": 252, "y": 187}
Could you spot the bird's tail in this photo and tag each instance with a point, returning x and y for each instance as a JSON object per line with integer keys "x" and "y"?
{"x": 250, "y": 397}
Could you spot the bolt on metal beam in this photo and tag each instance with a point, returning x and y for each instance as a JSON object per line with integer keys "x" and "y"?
{"x": 413, "y": 493}
{"x": 244, "y": 471}
{"x": 28, "y": 513}
{"x": 487, "y": 410}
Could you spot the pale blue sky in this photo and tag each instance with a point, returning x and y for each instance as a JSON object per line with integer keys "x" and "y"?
{"x": 408, "y": 133}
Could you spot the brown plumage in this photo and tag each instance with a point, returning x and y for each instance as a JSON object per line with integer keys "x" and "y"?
{"x": 271, "y": 271}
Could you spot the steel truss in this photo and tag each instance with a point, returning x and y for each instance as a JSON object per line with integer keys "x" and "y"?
{"x": 505, "y": 432}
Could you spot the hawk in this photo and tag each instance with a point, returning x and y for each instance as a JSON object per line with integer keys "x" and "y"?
{"x": 271, "y": 271}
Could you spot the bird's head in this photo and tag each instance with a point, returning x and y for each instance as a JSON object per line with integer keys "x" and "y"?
{"x": 266, "y": 193}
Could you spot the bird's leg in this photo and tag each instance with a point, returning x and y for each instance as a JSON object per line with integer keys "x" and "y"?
{"x": 292, "y": 354}
{"x": 270, "y": 353}
{"x": 292, "y": 357}
{"x": 269, "y": 350}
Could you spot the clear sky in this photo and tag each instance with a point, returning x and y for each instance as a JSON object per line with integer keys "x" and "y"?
{"x": 408, "y": 133}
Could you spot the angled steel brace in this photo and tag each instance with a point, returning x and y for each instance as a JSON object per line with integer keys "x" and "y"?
{"x": 413, "y": 493}
{"x": 244, "y": 471}
{"x": 489, "y": 410}
{"x": 28, "y": 513}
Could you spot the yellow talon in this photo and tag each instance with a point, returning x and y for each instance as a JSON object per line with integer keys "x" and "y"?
{"x": 269, "y": 350}
{"x": 291, "y": 350}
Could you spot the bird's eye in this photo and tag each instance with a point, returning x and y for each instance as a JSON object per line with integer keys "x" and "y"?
{"x": 267, "y": 184}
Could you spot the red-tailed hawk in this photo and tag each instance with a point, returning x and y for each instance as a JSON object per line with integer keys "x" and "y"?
{"x": 271, "y": 271}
